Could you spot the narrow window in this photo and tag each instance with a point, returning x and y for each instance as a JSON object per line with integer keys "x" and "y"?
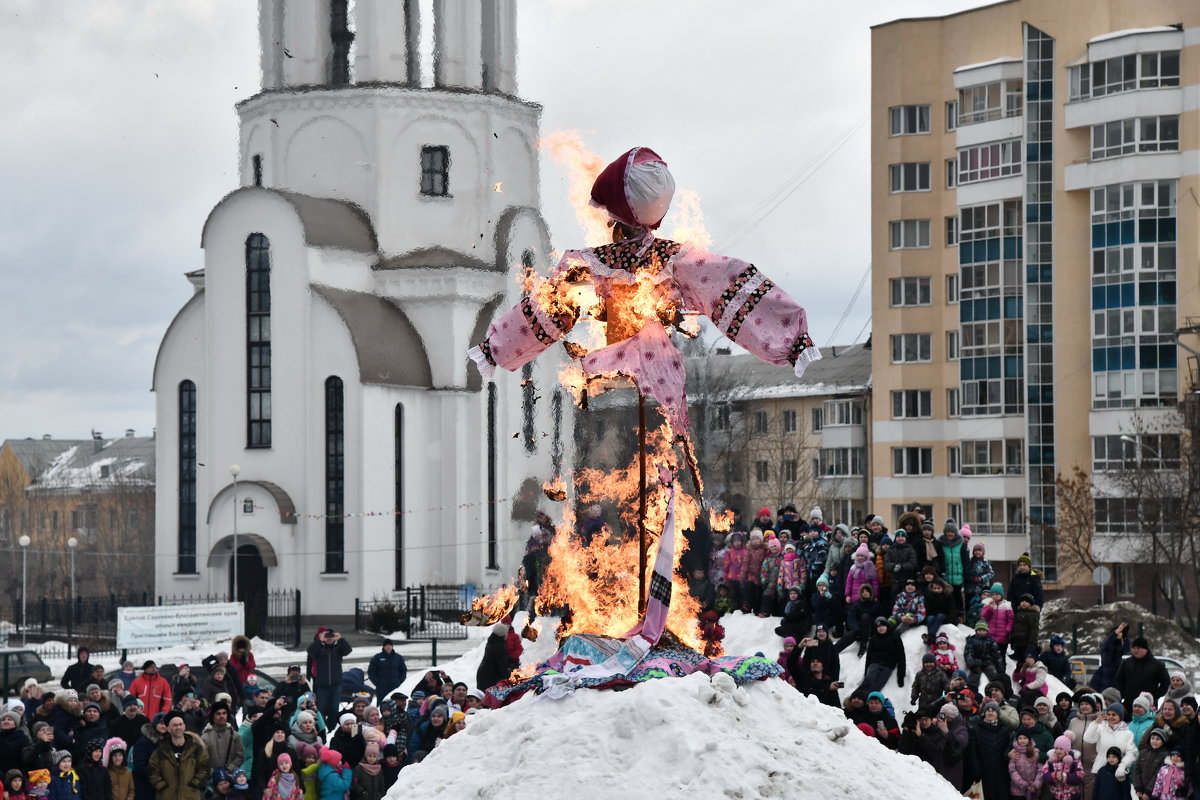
{"x": 258, "y": 341}
{"x": 493, "y": 561}
{"x": 399, "y": 495}
{"x": 435, "y": 171}
{"x": 335, "y": 475}
{"x": 186, "y": 564}
{"x": 528, "y": 398}
{"x": 256, "y": 165}
{"x": 343, "y": 38}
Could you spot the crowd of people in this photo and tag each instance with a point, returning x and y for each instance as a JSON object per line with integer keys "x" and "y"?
{"x": 140, "y": 736}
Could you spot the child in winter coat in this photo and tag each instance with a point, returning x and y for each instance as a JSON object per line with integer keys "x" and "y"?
{"x": 736, "y": 562}
{"x": 723, "y": 604}
{"x": 310, "y": 759}
{"x": 861, "y": 573}
{"x": 1026, "y": 620}
{"x": 1150, "y": 759}
{"x": 241, "y": 785}
{"x": 795, "y": 619}
{"x": 115, "y": 756}
{"x": 64, "y": 781}
{"x": 769, "y": 578}
{"x": 998, "y": 614}
{"x": 909, "y": 608}
{"x": 793, "y": 572}
{"x": 789, "y": 644}
{"x": 391, "y": 764}
{"x": 14, "y": 785}
{"x": 1171, "y": 778}
{"x": 1063, "y": 771}
{"x": 334, "y": 774}
{"x": 1108, "y": 785}
{"x": 93, "y": 776}
{"x": 1024, "y": 768}
{"x": 39, "y": 783}
{"x": 979, "y": 579}
{"x": 716, "y": 560}
{"x": 945, "y": 654}
{"x": 369, "y": 783}
{"x": 756, "y": 551}
{"x": 929, "y": 684}
{"x": 824, "y": 607}
{"x": 284, "y": 783}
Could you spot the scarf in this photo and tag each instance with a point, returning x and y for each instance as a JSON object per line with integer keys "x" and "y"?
{"x": 930, "y": 549}
{"x": 370, "y": 769}
{"x": 285, "y": 783}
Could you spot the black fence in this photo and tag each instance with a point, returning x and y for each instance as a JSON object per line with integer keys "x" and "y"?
{"x": 420, "y": 613}
{"x": 273, "y": 615}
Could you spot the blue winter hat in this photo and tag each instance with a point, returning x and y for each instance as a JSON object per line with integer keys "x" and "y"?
{"x": 958, "y": 673}
{"x": 220, "y": 774}
{"x": 1117, "y": 707}
{"x": 877, "y": 696}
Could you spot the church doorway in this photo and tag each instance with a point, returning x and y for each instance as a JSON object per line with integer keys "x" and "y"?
{"x": 251, "y": 587}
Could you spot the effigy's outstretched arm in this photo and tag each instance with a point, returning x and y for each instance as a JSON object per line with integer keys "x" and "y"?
{"x": 747, "y": 307}
{"x": 544, "y": 315}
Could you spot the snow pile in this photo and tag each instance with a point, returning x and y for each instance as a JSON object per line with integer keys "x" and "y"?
{"x": 666, "y": 738}
{"x": 1089, "y": 625}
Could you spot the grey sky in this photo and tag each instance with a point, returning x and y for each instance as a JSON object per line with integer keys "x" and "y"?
{"x": 119, "y": 136}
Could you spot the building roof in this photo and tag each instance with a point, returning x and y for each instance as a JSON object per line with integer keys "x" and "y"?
{"x": 438, "y": 257}
{"x": 389, "y": 349}
{"x": 76, "y": 464}
{"x": 843, "y": 369}
{"x": 943, "y": 16}
{"x": 326, "y": 222}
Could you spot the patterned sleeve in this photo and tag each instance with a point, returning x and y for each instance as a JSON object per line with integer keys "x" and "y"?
{"x": 747, "y": 307}
{"x": 542, "y": 317}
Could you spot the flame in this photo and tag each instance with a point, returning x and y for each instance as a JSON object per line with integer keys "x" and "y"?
{"x": 720, "y": 521}
{"x": 582, "y": 166}
{"x": 490, "y": 609}
{"x": 555, "y": 489}
{"x": 688, "y": 220}
{"x": 498, "y": 188}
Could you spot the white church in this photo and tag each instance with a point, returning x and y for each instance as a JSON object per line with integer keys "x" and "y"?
{"x": 315, "y": 401}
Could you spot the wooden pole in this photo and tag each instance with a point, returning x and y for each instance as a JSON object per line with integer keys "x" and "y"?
{"x": 641, "y": 504}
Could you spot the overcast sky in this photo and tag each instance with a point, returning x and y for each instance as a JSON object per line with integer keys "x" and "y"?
{"x": 119, "y": 136}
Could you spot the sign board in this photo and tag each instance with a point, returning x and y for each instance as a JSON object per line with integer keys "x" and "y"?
{"x": 1102, "y": 575}
{"x": 149, "y": 627}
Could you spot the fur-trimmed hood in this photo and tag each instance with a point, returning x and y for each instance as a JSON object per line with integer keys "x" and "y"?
{"x": 71, "y": 705}
{"x": 239, "y": 641}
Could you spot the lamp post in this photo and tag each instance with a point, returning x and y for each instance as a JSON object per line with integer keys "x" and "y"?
{"x": 235, "y": 470}
{"x": 72, "y": 543}
{"x": 24, "y": 542}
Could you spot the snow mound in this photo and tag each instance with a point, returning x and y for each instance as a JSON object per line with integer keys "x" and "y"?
{"x": 663, "y": 738}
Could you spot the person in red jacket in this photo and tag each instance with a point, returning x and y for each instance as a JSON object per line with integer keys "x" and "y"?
{"x": 152, "y": 689}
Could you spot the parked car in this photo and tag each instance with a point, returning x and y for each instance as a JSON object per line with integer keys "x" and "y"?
{"x": 1084, "y": 666}
{"x": 17, "y": 665}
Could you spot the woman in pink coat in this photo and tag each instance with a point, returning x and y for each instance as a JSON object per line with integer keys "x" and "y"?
{"x": 736, "y": 562}
{"x": 861, "y": 573}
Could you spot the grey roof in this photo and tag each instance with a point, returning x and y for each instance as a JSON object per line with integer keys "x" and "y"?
{"x": 388, "y": 347}
{"x": 435, "y": 257}
{"x": 842, "y": 369}
{"x": 326, "y": 222}
{"x": 85, "y": 463}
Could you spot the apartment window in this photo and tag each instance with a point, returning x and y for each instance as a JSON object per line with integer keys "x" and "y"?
{"x": 721, "y": 421}
{"x": 989, "y": 101}
{"x": 762, "y": 472}
{"x": 912, "y": 404}
{"x": 986, "y": 161}
{"x": 1141, "y": 135}
{"x": 843, "y": 412}
{"x": 910, "y": 177}
{"x": 186, "y": 558}
{"x": 995, "y": 515}
{"x": 953, "y": 405}
{"x": 952, "y": 282}
{"x": 435, "y": 171}
{"x": 840, "y": 462}
{"x": 951, "y": 115}
{"x": 912, "y": 461}
{"x": 762, "y": 422}
{"x": 993, "y": 457}
{"x": 952, "y": 345}
{"x": 908, "y": 234}
{"x": 76, "y": 519}
{"x": 258, "y": 341}
{"x": 910, "y": 291}
{"x": 908, "y": 120}
{"x": 909, "y": 348}
{"x": 951, "y": 173}
{"x": 818, "y": 419}
{"x": 1125, "y": 580}
{"x": 335, "y": 475}
{"x": 54, "y": 522}
{"x": 954, "y": 510}
{"x": 1125, "y": 74}
{"x": 1151, "y": 451}
{"x": 789, "y": 421}
{"x": 790, "y": 470}
{"x": 954, "y": 459}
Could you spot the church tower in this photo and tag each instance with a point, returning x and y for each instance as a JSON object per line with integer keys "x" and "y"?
{"x": 388, "y": 207}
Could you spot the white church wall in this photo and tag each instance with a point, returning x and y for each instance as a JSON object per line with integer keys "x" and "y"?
{"x": 342, "y": 269}
{"x": 327, "y": 157}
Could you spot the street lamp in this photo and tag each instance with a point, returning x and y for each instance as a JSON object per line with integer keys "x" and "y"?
{"x": 235, "y": 470}
{"x": 72, "y": 543}
{"x": 24, "y": 542}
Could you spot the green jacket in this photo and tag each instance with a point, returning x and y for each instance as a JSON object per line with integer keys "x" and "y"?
{"x": 184, "y": 778}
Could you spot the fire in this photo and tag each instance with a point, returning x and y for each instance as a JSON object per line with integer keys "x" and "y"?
{"x": 720, "y": 521}
{"x": 555, "y": 489}
{"x": 490, "y": 609}
{"x": 688, "y": 220}
{"x": 582, "y": 166}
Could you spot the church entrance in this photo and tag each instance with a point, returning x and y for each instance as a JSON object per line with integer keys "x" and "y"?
{"x": 251, "y": 587}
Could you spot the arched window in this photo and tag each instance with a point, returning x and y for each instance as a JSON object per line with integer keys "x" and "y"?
{"x": 399, "y": 495}
{"x": 186, "y": 564}
{"x": 493, "y": 560}
{"x": 335, "y": 475}
{"x": 258, "y": 341}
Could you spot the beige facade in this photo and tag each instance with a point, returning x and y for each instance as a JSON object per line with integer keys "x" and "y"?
{"x": 1034, "y": 207}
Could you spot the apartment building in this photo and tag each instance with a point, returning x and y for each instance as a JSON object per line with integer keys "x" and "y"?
{"x": 1034, "y": 227}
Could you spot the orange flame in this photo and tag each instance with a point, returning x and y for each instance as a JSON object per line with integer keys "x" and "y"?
{"x": 688, "y": 220}
{"x": 490, "y": 609}
{"x": 582, "y": 166}
{"x": 720, "y": 521}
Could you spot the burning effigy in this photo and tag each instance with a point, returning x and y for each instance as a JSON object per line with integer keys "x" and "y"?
{"x": 628, "y": 621}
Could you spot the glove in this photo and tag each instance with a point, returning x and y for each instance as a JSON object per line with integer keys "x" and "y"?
{"x": 900, "y": 681}
{"x": 1121, "y": 773}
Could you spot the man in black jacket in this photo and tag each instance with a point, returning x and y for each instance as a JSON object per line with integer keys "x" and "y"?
{"x": 79, "y": 675}
{"x": 387, "y": 670}
{"x": 885, "y": 652}
{"x": 1141, "y": 672}
{"x": 325, "y": 671}
{"x": 494, "y": 666}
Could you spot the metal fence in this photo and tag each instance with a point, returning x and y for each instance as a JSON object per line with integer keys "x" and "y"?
{"x": 92, "y": 621}
{"x": 420, "y": 613}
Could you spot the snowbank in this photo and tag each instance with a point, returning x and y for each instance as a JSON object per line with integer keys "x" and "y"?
{"x": 664, "y": 738}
